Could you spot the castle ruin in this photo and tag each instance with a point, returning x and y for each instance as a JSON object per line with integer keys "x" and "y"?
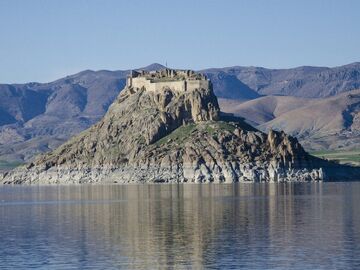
{"x": 178, "y": 80}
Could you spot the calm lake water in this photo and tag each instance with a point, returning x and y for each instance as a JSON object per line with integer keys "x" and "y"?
{"x": 249, "y": 226}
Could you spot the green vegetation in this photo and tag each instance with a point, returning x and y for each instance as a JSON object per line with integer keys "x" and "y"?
{"x": 9, "y": 165}
{"x": 212, "y": 127}
{"x": 178, "y": 135}
{"x": 342, "y": 156}
{"x": 225, "y": 126}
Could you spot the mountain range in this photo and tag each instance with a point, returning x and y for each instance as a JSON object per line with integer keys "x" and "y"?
{"x": 319, "y": 105}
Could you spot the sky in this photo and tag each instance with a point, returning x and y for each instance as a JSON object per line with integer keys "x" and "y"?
{"x": 43, "y": 40}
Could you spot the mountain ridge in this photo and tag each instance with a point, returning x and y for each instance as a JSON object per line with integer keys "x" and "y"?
{"x": 328, "y": 123}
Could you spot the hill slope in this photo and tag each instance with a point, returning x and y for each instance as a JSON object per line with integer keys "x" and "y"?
{"x": 263, "y": 109}
{"x": 311, "y": 82}
{"x": 332, "y": 122}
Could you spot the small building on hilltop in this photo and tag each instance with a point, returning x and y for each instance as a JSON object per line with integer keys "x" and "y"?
{"x": 178, "y": 80}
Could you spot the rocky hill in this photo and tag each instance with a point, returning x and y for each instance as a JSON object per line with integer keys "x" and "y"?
{"x": 172, "y": 135}
{"x": 38, "y": 117}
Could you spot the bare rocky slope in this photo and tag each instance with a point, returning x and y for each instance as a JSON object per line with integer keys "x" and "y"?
{"x": 306, "y": 81}
{"x": 172, "y": 136}
{"x": 327, "y": 123}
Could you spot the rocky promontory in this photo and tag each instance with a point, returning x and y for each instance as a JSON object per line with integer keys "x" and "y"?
{"x": 166, "y": 126}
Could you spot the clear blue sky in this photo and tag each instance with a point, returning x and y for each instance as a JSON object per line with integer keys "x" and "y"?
{"x": 42, "y": 40}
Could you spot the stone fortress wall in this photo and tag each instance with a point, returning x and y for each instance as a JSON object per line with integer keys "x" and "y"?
{"x": 178, "y": 80}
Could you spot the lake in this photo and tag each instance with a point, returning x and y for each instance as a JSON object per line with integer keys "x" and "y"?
{"x": 227, "y": 226}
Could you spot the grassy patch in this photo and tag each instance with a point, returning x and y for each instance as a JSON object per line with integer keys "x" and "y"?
{"x": 212, "y": 127}
{"x": 342, "y": 156}
{"x": 225, "y": 126}
{"x": 9, "y": 165}
{"x": 182, "y": 133}
{"x": 179, "y": 135}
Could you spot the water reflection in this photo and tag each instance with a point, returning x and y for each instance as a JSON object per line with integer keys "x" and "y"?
{"x": 273, "y": 226}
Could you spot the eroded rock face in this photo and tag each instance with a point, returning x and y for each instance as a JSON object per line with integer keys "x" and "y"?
{"x": 171, "y": 136}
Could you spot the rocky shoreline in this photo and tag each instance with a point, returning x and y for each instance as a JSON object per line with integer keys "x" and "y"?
{"x": 226, "y": 173}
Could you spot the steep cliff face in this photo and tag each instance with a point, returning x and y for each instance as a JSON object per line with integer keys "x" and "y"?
{"x": 171, "y": 136}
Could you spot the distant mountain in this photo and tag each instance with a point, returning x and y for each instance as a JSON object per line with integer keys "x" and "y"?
{"x": 264, "y": 109}
{"x": 304, "y": 81}
{"x": 36, "y": 117}
{"x": 332, "y": 122}
{"x": 154, "y": 66}
{"x": 84, "y": 96}
{"x": 229, "y": 86}
{"x": 49, "y": 113}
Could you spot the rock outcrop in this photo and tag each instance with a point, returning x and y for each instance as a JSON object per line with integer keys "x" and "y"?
{"x": 174, "y": 136}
